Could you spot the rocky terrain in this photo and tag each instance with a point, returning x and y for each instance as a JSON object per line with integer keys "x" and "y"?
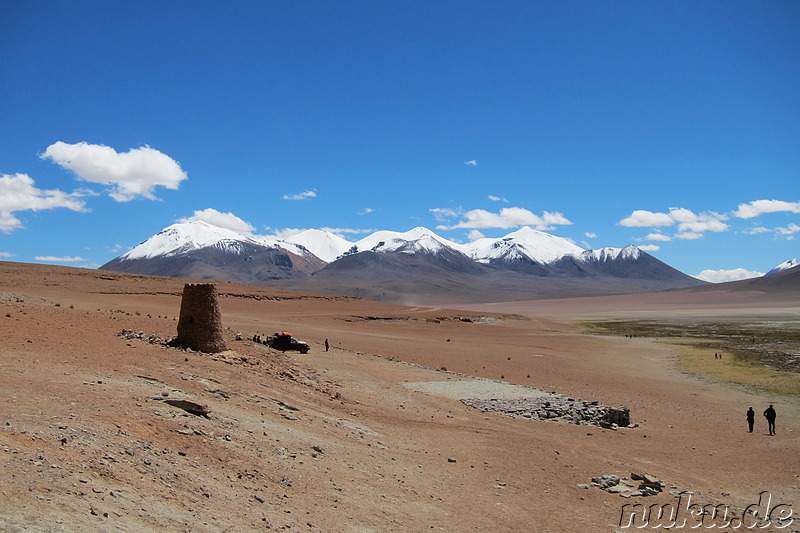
{"x": 105, "y": 428}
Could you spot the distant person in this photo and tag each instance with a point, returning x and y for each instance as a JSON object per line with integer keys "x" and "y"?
{"x": 751, "y": 418}
{"x": 326, "y": 345}
{"x": 769, "y": 413}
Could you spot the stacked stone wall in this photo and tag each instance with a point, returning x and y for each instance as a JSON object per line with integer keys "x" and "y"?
{"x": 556, "y": 407}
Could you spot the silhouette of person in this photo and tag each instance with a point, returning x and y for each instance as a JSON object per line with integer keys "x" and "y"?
{"x": 751, "y": 418}
{"x": 769, "y": 413}
{"x": 326, "y": 345}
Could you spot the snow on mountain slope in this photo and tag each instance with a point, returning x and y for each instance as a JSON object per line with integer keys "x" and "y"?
{"x": 786, "y": 265}
{"x": 525, "y": 244}
{"x": 323, "y": 244}
{"x": 414, "y": 241}
{"x": 185, "y": 236}
{"x": 610, "y": 254}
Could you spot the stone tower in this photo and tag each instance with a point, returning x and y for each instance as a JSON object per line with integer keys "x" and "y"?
{"x": 200, "y": 322}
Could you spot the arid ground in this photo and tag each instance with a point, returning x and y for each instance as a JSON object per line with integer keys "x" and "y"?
{"x": 341, "y": 440}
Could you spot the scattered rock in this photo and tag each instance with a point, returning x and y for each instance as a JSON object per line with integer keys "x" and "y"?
{"x": 649, "y": 485}
{"x": 189, "y": 406}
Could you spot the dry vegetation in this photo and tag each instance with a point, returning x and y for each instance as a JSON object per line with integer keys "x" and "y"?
{"x": 764, "y": 354}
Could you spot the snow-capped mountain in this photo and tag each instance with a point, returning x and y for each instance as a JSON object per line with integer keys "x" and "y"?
{"x": 603, "y": 255}
{"x": 417, "y": 240}
{"x": 389, "y": 264}
{"x": 786, "y": 265}
{"x": 184, "y": 237}
{"x": 525, "y": 244}
{"x": 323, "y": 244}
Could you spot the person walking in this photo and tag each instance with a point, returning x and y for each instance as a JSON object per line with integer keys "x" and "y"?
{"x": 769, "y": 414}
{"x": 751, "y": 418}
{"x": 326, "y": 345}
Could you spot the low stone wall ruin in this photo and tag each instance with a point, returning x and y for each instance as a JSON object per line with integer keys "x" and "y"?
{"x": 558, "y": 408}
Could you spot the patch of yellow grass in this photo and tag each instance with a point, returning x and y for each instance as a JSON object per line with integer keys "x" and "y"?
{"x": 701, "y": 361}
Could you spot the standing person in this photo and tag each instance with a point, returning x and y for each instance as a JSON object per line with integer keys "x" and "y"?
{"x": 751, "y": 418}
{"x": 326, "y": 345}
{"x": 769, "y": 413}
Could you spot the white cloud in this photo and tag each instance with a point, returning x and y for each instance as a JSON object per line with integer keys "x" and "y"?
{"x": 445, "y": 213}
{"x": 509, "y": 217}
{"x": 474, "y": 235}
{"x": 305, "y": 195}
{"x": 688, "y": 221}
{"x": 657, "y": 237}
{"x": 788, "y": 230}
{"x": 760, "y": 207}
{"x": 644, "y": 219}
{"x": 7, "y": 254}
{"x": 590, "y": 235}
{"x": 18, "y": 193}
{"x": 354, "y": 231}
{"x": 366, "y": 211}
{"x": 131, "y": 174}
{"x": 53, "y": 259}
{"x": 286, "y": 232}
{"x": 649, "y": 247}
{"x": 721, "y": 276}
{"x": 497, "y": 198}
{"x": 471, "y": 163}
{"x": 757, "y": 230}
{"x": 219, "y": 219}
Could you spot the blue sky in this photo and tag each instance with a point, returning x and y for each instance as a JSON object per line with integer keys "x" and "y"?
{"x": 674, "y": 126}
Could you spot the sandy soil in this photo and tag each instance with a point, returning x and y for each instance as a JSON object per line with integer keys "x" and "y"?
{"x": 342, "y": 440}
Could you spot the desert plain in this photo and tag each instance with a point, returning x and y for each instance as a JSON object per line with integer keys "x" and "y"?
{"x": 371, "y": 435}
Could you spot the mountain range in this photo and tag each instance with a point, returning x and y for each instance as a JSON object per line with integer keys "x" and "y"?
{"x": 414, "y": 267}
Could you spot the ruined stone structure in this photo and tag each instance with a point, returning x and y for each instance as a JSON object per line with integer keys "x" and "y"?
{"x": 556, "y": 407}
{"x": 200, "y": 322}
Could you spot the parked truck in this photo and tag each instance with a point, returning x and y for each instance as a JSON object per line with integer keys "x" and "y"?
{"x": 283, "y": 340}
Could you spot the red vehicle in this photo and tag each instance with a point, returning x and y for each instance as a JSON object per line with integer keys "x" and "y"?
{"x": 283, "y": 341}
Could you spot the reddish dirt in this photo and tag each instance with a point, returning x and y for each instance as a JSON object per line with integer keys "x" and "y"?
{"x": 333, "y": 441}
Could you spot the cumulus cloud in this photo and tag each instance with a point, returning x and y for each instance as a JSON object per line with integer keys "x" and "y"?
{"x": 221, "y": 220}
{"x": 509, "y": 217}
{"x": 19, "y": 193}
{"x": 646, "y": 219}
{"x": 471, "y": 163}
{"x": 7, "y": 254}
{"x": 590, "y": 235}
{"x": 53, "y": 259}
{"x": 721, "y": 276}
{"x": 474, "y": 235}
{"x": 305, "y": 195}
{"x": 760, "y": 207}
{"x": 130, "y": 175}
{"x": 366, "y": 211}
{"x": 657, "y": 237}
{"x": 690, "y": 224}
{"x": 649, "y": 247}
